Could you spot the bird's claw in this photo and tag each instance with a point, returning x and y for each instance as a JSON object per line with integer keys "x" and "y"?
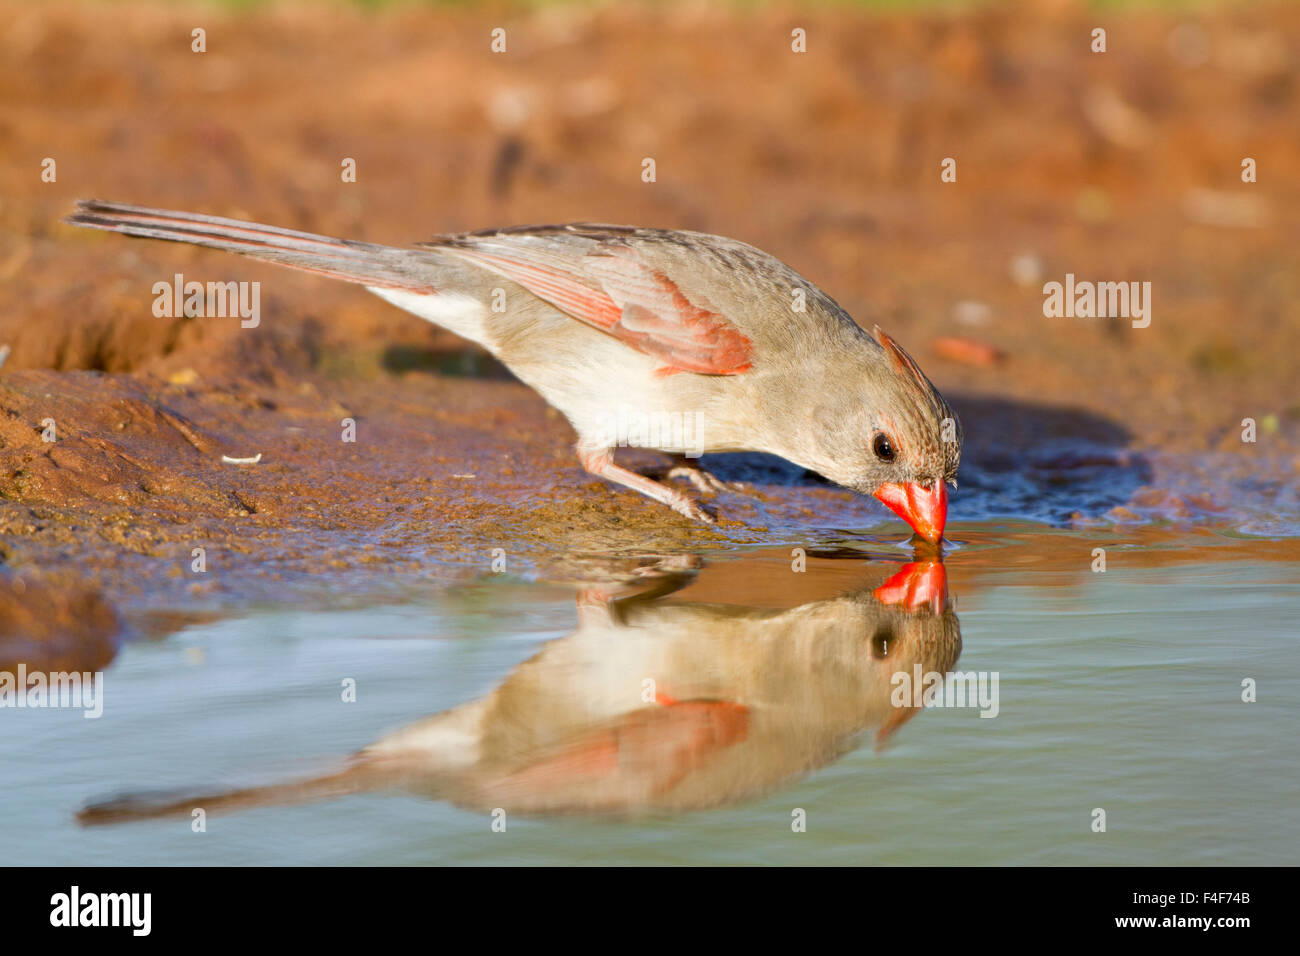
{"x": 705, "y": 482}
{"x": 693, "y": 510}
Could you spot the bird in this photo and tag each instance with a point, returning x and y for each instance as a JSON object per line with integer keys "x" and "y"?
{"x": 678, "y": 341}
{"x": 646, "y": 706}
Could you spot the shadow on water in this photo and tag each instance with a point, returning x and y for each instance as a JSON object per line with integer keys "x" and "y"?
{"x": 1043, "y": 462}
{"x": 652, "y": 705}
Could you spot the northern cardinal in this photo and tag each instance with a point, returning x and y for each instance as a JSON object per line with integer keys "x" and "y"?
{"x": 744, "y": 699}
{"x": 725, "y": 346}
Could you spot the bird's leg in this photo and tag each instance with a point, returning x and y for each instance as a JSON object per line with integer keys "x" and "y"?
{"x": 600, "y": 462}
{"x": 594, "y": 606}
{"x": 707, "y": 482}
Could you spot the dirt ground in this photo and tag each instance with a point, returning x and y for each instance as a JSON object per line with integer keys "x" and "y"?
{"x": 1124, "y": 166}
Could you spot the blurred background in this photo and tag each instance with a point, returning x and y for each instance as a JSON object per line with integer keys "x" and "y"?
{"x": 1124, "y": 165}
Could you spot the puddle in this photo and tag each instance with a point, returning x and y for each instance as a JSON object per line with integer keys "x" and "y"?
{"x": 771, "y": 699}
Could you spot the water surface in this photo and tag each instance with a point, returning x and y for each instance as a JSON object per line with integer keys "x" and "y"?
{"x": 1119, "y": 690}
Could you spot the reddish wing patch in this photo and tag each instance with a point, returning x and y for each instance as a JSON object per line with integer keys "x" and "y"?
{"x": 629, "y": 300}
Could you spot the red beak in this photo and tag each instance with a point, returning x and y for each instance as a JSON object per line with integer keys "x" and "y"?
{"x": 918, "y": 584}
{"x": 925, "y": 509}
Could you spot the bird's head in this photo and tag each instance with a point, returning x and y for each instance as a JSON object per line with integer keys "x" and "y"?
{"x": 914, "y": 446}
{"x": 895, "y": 438}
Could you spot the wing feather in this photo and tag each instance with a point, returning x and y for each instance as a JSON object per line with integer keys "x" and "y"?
{"x": 602, "y": 281}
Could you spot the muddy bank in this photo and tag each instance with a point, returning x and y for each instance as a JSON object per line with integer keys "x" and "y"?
{"x": 1123, "y": 166}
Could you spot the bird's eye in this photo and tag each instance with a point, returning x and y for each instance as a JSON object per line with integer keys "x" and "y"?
{"x": 880, "y": 642}
{"x": 883, "y": 447}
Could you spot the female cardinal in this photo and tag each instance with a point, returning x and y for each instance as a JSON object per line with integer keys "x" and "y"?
{"x": 745, "y": 699}
{"x": 672, "y": 326}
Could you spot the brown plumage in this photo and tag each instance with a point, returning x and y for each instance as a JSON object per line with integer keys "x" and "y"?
{"x": 701, "y": 334}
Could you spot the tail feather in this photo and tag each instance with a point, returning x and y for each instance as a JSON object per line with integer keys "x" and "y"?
{"x": 366, "y": 263}
{"x": 149, "y": 805}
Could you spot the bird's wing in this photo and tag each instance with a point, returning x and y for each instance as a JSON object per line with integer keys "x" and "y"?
{"x": 598, "y": 276}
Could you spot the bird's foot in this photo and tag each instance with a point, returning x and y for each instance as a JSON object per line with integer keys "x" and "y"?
{"x": 705, "y": 482}
{"x": 684, "y": 504}
{"x": 601, "y": 462}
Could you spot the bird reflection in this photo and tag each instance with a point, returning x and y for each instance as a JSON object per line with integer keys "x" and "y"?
{"x": 650, "y": 705}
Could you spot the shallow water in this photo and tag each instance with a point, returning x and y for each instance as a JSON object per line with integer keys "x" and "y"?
{"x": 1118, "y": 690}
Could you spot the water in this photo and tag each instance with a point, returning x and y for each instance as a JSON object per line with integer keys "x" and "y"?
{"x": 1118, "y": 690}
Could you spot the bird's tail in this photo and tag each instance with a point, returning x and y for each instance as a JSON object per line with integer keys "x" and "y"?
{"x": 369, "y": 264}
{"x": 356, "y": 776}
